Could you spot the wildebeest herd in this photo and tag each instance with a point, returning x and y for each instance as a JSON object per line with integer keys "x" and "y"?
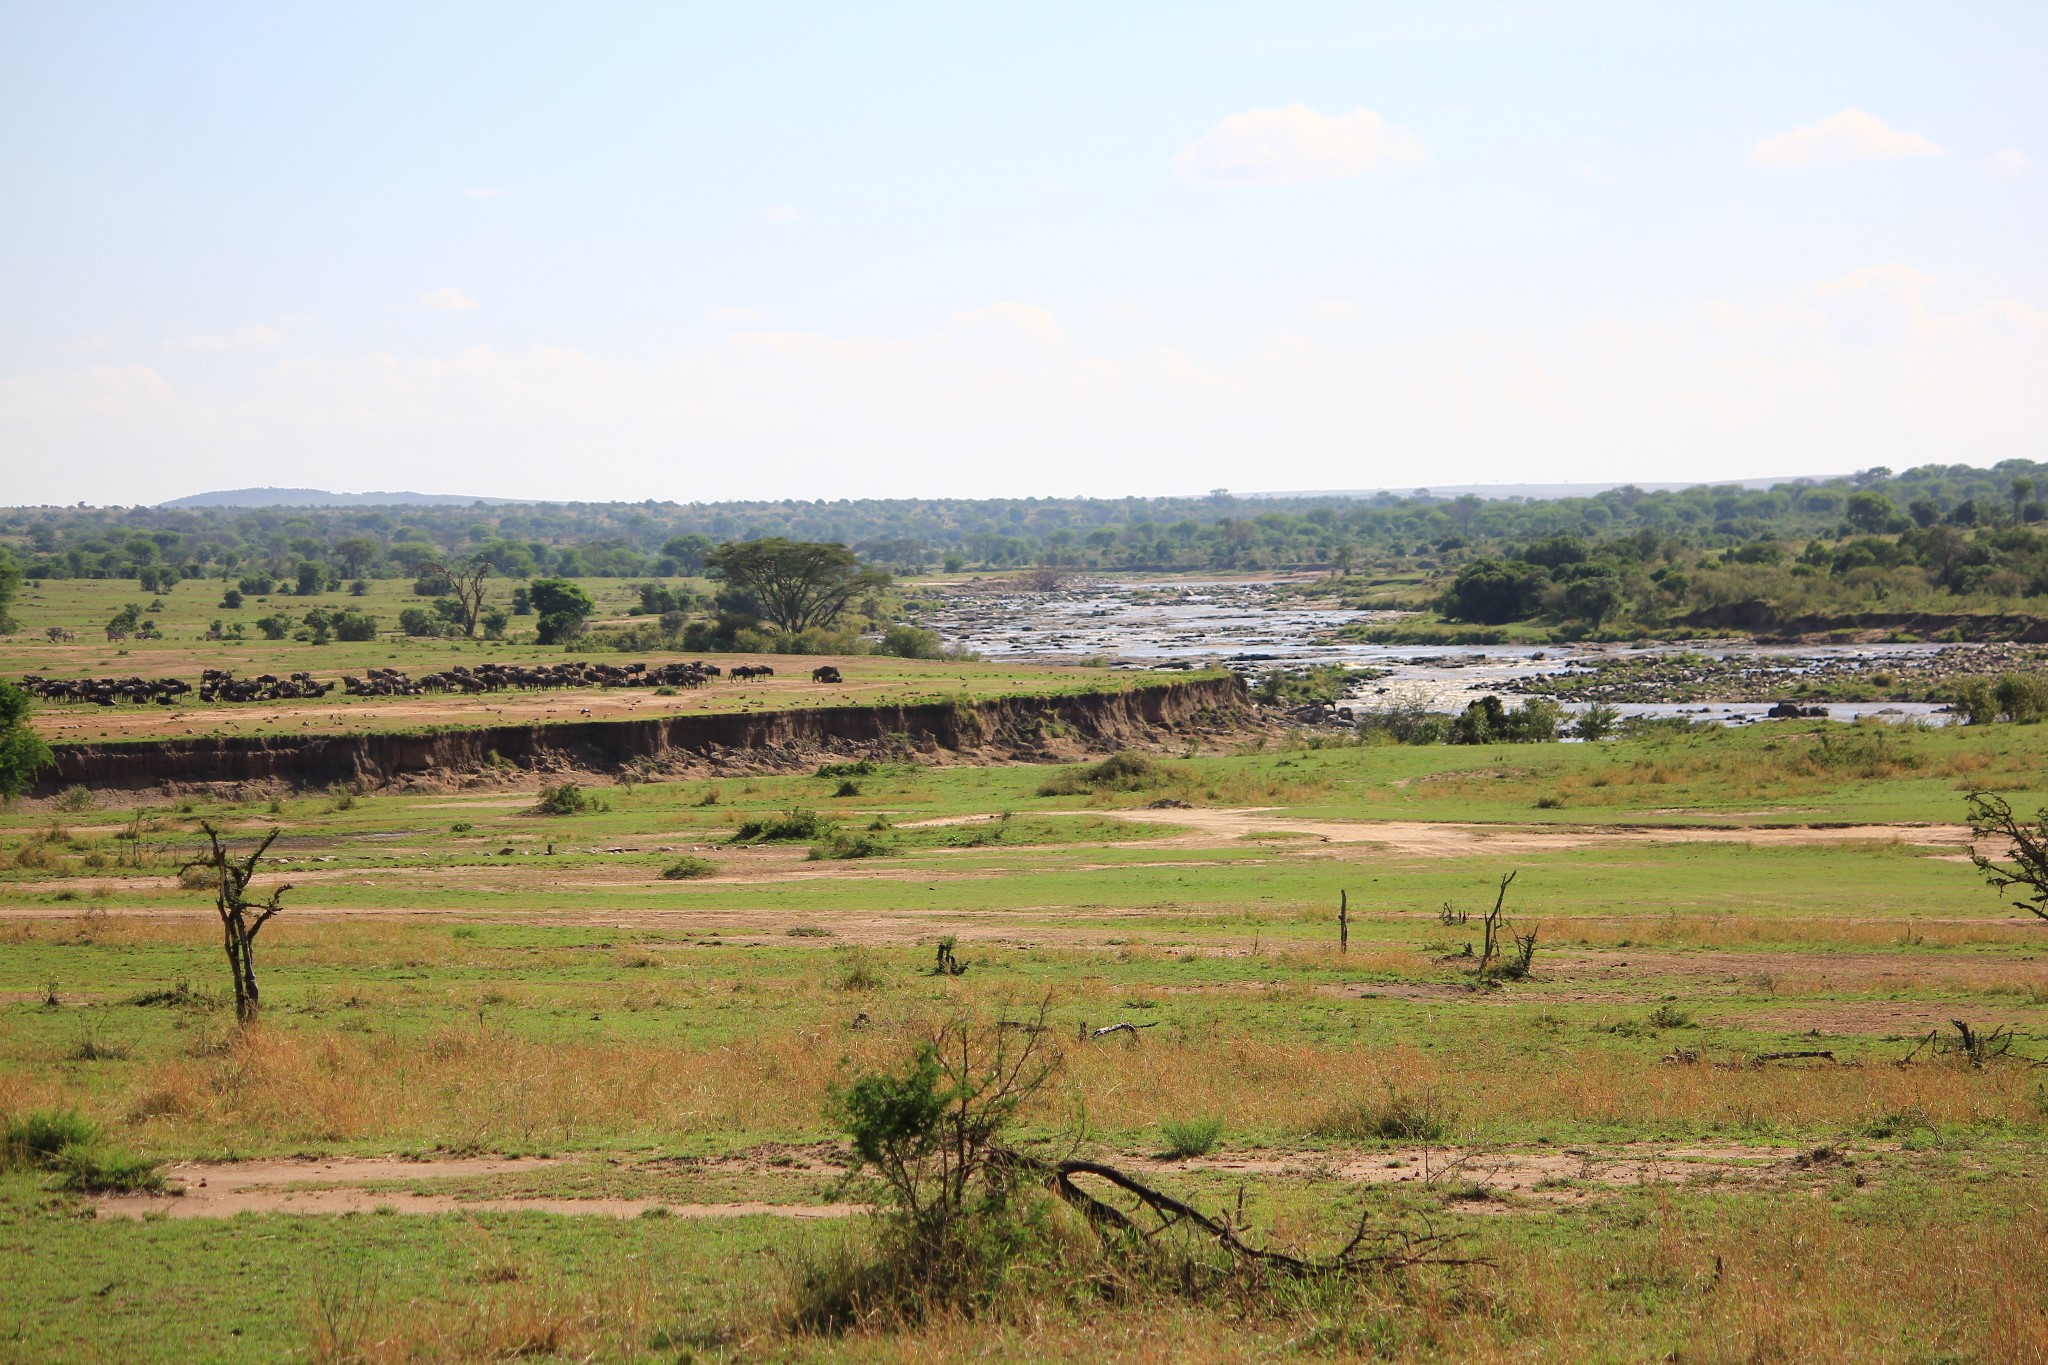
{"x": 219, "y": 685}
{"x": 390, "y": 682}
{"x": 107, "y": 691}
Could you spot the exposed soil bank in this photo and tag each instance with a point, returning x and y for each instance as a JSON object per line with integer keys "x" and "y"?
{"x": 1020, "y": 726}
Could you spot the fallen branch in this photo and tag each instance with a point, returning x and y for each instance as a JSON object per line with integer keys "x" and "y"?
{"x": 1370, "y": 1249}
{"x": 1763, "y": 1057}
{"x": 1117, "y": 1028}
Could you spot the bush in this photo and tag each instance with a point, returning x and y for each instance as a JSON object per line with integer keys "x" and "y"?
{"x": 683, "y": 869}
{"x": 789, "y": 826}
{"x": 354, "y": 626}
{"x": 1117, "y": 773}
{"x": 35, "y": 1138}
{"x": 566, "y": 799}
{"x": 106, "y": 1170}
{"x": 1191, "y": 1137}
{"x": 419, "y": 623}
{"x": 75, "y": 798}
{"x": 912, "y": 642}
{"x": 1424, "y": 1116}
{"x": 842, "y": 846}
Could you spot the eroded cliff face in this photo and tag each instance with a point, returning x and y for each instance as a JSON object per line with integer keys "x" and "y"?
{"x": 1004, "y": 727}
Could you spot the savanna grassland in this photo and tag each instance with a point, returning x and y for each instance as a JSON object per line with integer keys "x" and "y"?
{"x": 561, "y": 1085}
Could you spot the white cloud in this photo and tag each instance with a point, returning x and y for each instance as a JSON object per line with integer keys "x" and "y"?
{"x": 1294, "y": 144}
{"x": 256, "y": 338}
{"x": 1126, "y": 309}
{"x": 1332, "y": 310}
{"x": 485, "y": 192}
{"x": 2007, "y": 163}
{"x": 450, "y": 300}
{"x": 747, "y": 316}
{"x": 1851, "y": 135}
{"x": 783, "y": 213}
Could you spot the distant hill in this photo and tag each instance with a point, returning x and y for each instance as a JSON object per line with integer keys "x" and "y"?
{"x": 320, "y": 497}
{"x": 1537, "y": 492}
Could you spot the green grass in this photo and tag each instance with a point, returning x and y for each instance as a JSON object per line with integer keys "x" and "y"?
{"x": 426, "y": 993}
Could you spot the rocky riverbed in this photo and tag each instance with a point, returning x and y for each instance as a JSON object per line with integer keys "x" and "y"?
{"x": 1244, "y": 625}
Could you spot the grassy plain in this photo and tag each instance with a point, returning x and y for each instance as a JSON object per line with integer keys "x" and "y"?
{"x": 458, "y": 979}
{"x": 83, "y": 605}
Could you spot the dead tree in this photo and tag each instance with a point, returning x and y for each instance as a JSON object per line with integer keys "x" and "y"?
{"x": 1343, "y": 921}
{"x": 240, "y": 918}
{"x": 2026, "y": 845}
{"x": 1489, "y": 954}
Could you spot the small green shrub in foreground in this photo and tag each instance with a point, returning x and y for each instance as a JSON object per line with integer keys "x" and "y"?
{"x": 1196, "y": 1136}
{"x": 67, "y": 1142}
{"x": 682, "y": 869}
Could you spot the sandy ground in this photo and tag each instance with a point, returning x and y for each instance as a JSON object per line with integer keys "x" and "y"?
{"x": 337, "y": 1185}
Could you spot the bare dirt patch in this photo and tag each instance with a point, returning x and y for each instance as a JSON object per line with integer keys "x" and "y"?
{"x": 341, "y": 1185}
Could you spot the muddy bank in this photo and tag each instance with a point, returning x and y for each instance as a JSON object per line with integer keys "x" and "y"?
{"x": 1001, "y": 727}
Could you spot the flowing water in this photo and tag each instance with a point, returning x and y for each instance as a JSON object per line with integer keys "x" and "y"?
{"x": 1248, "y": 627}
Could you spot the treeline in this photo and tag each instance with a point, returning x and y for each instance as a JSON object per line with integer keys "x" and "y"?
{"x": 1647, "y": 582}
{"x": 315, "y": 547}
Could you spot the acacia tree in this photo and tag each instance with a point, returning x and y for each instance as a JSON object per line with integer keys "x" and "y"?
{"x": 241, "y": 919}
{"x": 798, "y": 584}
{"x": 466, "y": 582}
{"x": 2026, "y": 845}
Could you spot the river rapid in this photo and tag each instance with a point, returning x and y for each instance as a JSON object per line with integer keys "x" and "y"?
{"x": 1249, "y": 628}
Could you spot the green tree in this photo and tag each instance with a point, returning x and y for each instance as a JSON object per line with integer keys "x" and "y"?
{"x": 1869, "y": 511}
{"x": 563, "y": 606}
{"x": 689, "y": 552}
{"x": 795, "y": 584}
{"x": 1493, "y": 593}
{"x": 10, "y": 584}
{"x": 22, "y": 751}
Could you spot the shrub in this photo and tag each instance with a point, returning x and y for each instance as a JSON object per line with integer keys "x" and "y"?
{"x": 1399, "y": 1116}
{"x": 867, "y": 767}
{"x": 683, "y": 869}
{"x": 912, "y": 642}
{"x": 841, "y": 845}
{"x": 1669, "y": 1016}
{"x": 565, "y": 799}
{"x": 75, "y": 798}
{"x": 1196, "y": 1136}
{"x": 789, "y": 826}
{"x": 1117, "y": 773}
{"x": 847, "y": 787}
{"x": 106, "y": 1170}
{"x": 35, "y": 1138}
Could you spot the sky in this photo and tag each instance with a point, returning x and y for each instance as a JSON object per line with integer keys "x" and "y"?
{"x": 701, "y": 252}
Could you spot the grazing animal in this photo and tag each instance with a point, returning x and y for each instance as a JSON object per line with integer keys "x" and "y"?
{"x": 825, "y": 673}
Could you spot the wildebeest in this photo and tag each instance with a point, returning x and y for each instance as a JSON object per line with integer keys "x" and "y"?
{"x": 825, "y": 673}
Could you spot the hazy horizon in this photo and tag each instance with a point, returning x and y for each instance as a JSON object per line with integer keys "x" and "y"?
{"x": 801, "y": 252}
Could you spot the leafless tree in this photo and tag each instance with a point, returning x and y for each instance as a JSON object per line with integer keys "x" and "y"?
{"x": 241, "y": 919}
